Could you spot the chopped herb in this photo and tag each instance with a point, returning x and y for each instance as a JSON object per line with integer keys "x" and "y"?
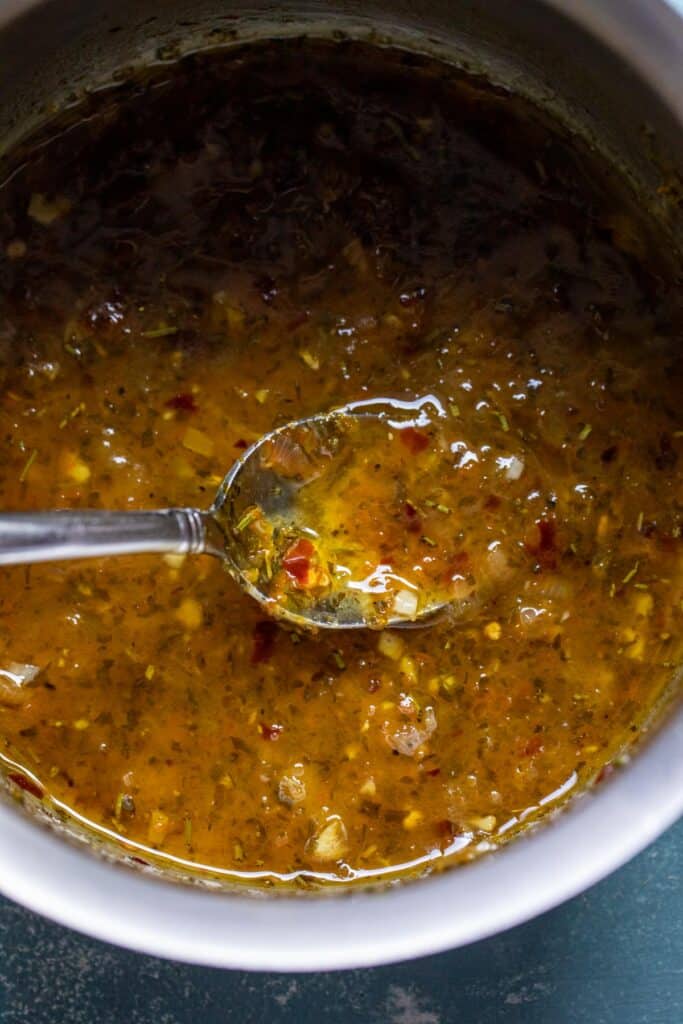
{"x": 249, "y": 516}
{"x": 639, "y": 524}
{"x": 159, "y": 332}
{"x": 309, "y": 359}
{"x": 502, "y": 419}
{"x": 338, "y": 659}
{"x": 27, "y": 466}
{"x": 585, "y": 432}
{"x": 429, "y": 541}
{"x": 631, "y": 573}
{"x": 443, "y": 508}
{"x": 454, "y": 409}
{"x": 76, "y": 411}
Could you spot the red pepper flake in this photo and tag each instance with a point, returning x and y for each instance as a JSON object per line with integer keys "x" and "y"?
{"x": 445, "y": 829}
{"x": 547, "y": 529}
{"x": 433, "y": 772}
{"x": 28, "y": 785}
{"x": 604, "y": 773}
{"x": 413, "y": 520}
{"x": 374, "y": 685}
{"x": 241, "y": 444}
{"x": 297, "y": 561}
{"x": 184, "y": 402}
{"x": 534, "y": 746}
{"x": 492, "y": 502}
{"x": 264, "y": 641}
{"x": 415, "y": 440}
{"x": 544, "y": 546}
{"x": 139, "y": 860}
{"x": 270, "y": 732}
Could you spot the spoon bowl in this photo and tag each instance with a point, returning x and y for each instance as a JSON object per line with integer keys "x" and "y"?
{"x": 282, "y": 545}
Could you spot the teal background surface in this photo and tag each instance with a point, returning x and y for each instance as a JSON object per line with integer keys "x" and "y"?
{"x": 611, "y": 956}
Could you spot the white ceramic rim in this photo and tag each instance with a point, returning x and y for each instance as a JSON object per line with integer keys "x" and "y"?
{"x": 601, "y": 831}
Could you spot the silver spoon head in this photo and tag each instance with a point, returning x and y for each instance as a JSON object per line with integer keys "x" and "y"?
{"x": 288, "y": 511}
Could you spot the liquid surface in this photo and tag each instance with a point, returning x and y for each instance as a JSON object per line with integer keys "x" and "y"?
{"x": 327, "y": 226}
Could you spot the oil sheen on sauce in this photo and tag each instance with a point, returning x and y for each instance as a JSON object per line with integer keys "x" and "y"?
{"x": 192, "y": 259}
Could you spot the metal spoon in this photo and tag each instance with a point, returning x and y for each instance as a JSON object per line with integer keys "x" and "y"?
{"x": 252, "y": 483}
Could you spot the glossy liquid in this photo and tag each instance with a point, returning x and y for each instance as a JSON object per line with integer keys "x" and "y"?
{"x": 329, "y": 225}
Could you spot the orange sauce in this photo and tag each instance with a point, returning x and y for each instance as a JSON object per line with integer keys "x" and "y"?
{"x": 247, "y": 239}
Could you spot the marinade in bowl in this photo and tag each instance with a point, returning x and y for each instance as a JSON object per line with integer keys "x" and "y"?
{"x": 247, "y": 238}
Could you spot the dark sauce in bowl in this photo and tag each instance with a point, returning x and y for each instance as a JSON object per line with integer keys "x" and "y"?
{"x": 260, "y": 235}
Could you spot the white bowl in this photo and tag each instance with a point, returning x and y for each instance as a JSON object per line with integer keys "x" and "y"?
{"x": 558, "y": 52}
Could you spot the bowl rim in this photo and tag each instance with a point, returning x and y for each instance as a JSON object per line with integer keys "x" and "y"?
{"x": 596, "y": 834}
{"x": 353, "y": 928}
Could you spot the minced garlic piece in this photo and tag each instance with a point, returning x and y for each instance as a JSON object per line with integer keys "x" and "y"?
{"x": 485, "y": 824}
{"x": 74, "y": 467}
{"x": 291, "y": 790}
{"x": 493, "y": 630}
{"x": 310, "y": 359}
{"x": 368, "y": 789}
{"x": 197, "y": 441}
{"x": 413, "y": 819}
{"x": 644, "y": 604}
{"x": 636, "y": 650}
{"x": 174, "y": 561}
{"x": 331, "y": 843}
{"x": 190, "y": 613}
{"x": 390, "y": 645}
{"x": 159, "y": 825}
{"x": 408, "y": 668}
{"x": 603, "y": 527}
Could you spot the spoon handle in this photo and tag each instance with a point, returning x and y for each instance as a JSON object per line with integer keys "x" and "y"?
{"x": 52, "y": 536}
